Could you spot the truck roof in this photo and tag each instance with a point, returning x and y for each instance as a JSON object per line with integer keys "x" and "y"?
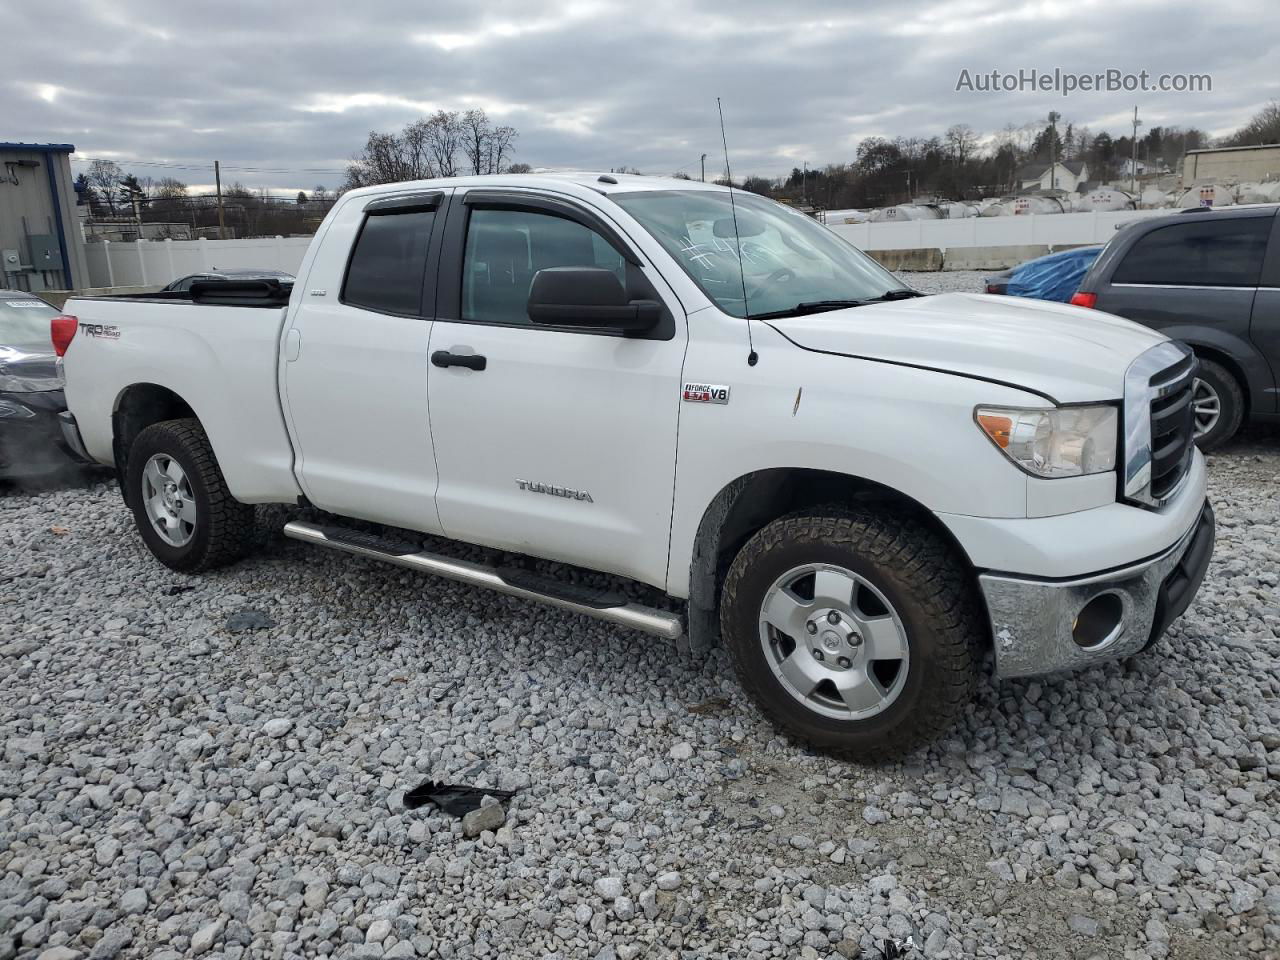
{"x": 599, "y": 181}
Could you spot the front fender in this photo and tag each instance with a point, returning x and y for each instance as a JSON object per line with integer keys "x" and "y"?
{"x": 1259, "y": 383}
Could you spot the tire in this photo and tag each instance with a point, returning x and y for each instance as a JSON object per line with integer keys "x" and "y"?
{"x": 898, "y": 567}
{"x": 218, "y": 531}
{"x": 1215, "y": 383}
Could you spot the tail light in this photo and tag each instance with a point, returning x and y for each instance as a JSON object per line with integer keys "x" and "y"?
{"x": 1089, "y": 300}
{"x": 61, "y": 330}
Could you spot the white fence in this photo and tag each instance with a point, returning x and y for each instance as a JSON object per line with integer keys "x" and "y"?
{"x": 148, "y": 262}
{"x": 144, "y": 262}
{"x": 1051, "y": 229}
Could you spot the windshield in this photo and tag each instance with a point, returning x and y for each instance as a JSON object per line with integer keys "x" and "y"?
{"x": 24, "y": 324}
{"x": 788, "y": 260}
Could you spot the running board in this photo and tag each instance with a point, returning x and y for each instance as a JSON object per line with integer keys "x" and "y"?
{"x": 600, "y": 604}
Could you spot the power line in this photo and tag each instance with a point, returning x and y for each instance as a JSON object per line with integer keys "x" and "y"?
{"x": 239, "y": 168}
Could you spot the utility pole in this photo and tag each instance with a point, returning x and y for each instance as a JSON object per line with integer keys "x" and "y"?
{"x": 1133, "y": 170}
{"x": 704, "y": 168}
{"x": 804, "y": 182}
{"x": 217, "y": 179}
{"x": 1054, "y": 117}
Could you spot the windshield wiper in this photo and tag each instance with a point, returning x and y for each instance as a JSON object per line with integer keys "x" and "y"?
{"x": 902, "y": 293}
{"x": 808, "y": 306}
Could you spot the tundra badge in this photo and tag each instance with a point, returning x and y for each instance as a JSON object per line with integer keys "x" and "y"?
{"x": 554, "y": 490}
{"x": 705, "y": 393}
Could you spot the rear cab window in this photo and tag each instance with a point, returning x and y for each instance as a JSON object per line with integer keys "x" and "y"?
{"x": 388, "y": 262}
{"x": 1225, "y": 252}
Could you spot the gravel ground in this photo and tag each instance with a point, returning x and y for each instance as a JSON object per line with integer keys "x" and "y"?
{"x": 172, "y": 787}
{"x": 948, "y": 281}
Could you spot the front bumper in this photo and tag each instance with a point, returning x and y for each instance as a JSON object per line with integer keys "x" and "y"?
{"x": 1042, "y": 625}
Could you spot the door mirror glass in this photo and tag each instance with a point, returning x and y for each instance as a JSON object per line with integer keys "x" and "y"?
{"x": 587, "y": 297}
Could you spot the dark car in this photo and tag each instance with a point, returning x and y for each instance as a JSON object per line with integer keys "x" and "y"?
{"x": 1210, "y": 278}
{"x": 183, "y": 284}
{"x": 1054, "y": 277}
{"x": 31, "y": 398}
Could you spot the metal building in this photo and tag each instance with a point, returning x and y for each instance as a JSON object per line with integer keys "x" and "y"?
{"x": 40, "y": 243}
{"x": 1255, "y": 162}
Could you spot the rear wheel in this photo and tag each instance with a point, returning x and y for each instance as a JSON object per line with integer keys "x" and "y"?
{"x": 184, "y": 511}
{"x": 853, "y": 631}
{"x": 1218, "y": 403}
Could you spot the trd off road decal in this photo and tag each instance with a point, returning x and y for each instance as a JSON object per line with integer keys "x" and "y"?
{"x": 101, "y": 330}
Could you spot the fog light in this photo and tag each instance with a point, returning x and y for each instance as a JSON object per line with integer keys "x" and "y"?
{"x": 1099, "y": 621}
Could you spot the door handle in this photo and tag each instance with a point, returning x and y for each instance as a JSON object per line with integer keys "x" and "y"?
{"x": 292, "y": 345}
{"x": 472, "y": 361}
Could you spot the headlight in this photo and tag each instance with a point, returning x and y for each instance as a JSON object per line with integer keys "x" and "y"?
{"x": 1058, "y": 442}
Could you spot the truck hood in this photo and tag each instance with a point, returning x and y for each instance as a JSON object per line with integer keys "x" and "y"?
{"x": 1069, "y": 354}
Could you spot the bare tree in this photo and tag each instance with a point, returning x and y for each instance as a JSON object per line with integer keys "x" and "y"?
{"x": 961, "y": 141}
{"x": 501, "y": 142}
{"x": 476, "y": 131}
{"x": 444, "y": 137}
{"x": 1263, "y": 127}
{"x": 105, "y": 175}
{"x": 169, "y": 188}
{"x": 432, "y": 147}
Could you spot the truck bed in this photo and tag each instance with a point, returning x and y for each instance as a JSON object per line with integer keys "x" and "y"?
{"x": 218, "y": 356}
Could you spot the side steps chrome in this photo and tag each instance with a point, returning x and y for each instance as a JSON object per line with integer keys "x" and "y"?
{"x": 601, "y": 604}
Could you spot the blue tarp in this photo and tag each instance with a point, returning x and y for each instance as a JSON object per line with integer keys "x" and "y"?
{"x": 1055, "y": 277}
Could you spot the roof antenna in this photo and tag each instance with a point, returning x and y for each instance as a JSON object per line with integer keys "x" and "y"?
{"x": 752, "y": 357}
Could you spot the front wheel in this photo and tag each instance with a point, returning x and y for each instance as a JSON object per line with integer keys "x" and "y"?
{"x": 1218, "y": 402}
{"x": 184, "y": 511}
{"x": 854, "y": 631}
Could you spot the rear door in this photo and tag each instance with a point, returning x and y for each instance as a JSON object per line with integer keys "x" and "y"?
{"x": 355, "y": 371}
{"x": 563, "y": 444}
{"x": 1265, "y": 329}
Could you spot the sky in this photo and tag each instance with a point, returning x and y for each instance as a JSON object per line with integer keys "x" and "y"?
{"x": 285, "y": 92}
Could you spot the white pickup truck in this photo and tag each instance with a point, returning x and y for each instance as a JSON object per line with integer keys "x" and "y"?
{"x": 859, "y": 490}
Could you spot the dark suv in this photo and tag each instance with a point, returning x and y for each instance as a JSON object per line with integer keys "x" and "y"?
{"x": 1210, "y": 278}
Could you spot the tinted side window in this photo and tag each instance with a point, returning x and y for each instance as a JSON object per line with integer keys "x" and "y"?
{"x": 1216, "y": 253}
{"x": 505, "y": 248}
{"x": 389, "y": 261}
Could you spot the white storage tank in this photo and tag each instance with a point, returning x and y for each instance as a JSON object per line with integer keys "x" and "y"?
{"x": 847, "y": 216}
{"x": 1025, "y": 206}
{"x": 1207, "y": 195}
{"x": 958, "y": 209}
{"x": 904, "y": 211}
{"x": 1153, "y": 198}
{"x": 1253, "y": 193}
{"x": 1107, "y": 198}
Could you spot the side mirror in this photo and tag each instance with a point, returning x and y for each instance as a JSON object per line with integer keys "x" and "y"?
{"x": 588, "y": 297}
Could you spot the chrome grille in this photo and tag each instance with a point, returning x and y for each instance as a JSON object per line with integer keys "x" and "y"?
{"x": 1159, "y": 423}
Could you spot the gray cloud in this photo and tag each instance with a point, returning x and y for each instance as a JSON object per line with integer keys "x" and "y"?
{"x": 292, "y": 87}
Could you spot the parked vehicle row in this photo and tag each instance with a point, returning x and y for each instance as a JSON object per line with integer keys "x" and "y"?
{"x": 859, "y": 489}
{"x": 32, "y": 440}
{"x": 1211, "y": 279}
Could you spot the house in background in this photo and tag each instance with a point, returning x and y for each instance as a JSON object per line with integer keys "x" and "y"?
{"x": 1063, "y": 175}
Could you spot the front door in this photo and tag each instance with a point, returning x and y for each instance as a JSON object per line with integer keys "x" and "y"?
{"x": 558, "y": 443}
{"x": 355, "y": 371}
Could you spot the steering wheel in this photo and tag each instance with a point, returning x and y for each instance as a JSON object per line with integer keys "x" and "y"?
{"x": 781, "y": 275}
